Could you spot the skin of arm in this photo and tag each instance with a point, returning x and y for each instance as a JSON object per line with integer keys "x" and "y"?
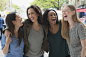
{"x": 83, "y": 52}
{"x": 8, "y": 40}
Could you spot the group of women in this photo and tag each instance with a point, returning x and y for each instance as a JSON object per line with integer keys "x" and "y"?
{"x": 39, "y": 33}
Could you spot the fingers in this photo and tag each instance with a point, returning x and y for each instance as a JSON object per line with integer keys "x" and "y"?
{"x": 8, "y": 39}
{"x": 7, "y": 33}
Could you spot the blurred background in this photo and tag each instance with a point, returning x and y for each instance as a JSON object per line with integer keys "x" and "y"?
{"x": 20, "y": 6}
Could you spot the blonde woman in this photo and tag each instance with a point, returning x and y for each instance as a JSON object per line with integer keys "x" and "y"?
{"x": 73, "y": 30}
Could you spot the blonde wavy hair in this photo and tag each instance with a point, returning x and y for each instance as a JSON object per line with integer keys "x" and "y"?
{"x": 65, "y": 24}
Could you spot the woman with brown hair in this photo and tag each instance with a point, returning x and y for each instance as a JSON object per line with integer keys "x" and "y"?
{"x": 58, "y": 45}
{"x": 73, "y": 30}
{"x": 35, "y": 35}
{"x": 13, "y": 44}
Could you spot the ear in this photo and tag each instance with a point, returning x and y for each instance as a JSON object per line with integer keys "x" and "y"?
{"x": 73, "y": 12}
{"x": 13, "y": 22}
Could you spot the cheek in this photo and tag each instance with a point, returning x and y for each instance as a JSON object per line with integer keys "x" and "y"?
{"x": 28, "y": 16}
{"x": 36, "y": 17}
{"x": 20, "y": 20}
{"x": 68, "y": 12}
{"x": 56, "y": 17}
{"x": 49, "y": 20}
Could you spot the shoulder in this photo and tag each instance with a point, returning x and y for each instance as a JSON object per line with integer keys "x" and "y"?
{"x": 44, "y": 27}
{"x": 1, "y": 19}
{"x": 80, "y": 26}
{"x": 26, "y": 23}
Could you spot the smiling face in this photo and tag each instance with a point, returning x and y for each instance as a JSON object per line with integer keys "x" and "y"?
{"x": 67, "y": 13}
{"x": 33, "y": 16}
{"x": 52, "y": 17}
{"x": 18, "y": 21}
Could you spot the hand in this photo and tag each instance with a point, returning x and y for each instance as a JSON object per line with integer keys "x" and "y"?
{"x": 8, "y": 39}
{"x": 7, "y": 32}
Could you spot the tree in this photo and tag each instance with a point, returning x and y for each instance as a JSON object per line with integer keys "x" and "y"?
{"x": 15, "y": 6}
{"x": 6, "y": 5}
{"x": 48, "y": 3}
{"x": 3, "y": 4}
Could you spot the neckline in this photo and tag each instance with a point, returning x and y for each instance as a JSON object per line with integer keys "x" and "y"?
{"x": 73, "y": 26}
{"x": 57, "y": 31}
{"x": 39, "y": 28}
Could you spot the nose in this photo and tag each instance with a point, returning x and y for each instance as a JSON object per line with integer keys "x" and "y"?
{"x": 63, "y": 12}
{"x": 21, "y": 18}
{"x": 30, "y": 15}
{"x": 54, "y": 16}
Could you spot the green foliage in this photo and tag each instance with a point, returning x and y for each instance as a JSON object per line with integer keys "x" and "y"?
{"x": 15, "y": 6}
{"x": 48, "y": 3}
{"x": 3, "y": 4}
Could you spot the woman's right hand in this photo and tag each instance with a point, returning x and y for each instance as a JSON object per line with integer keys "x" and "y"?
{"x": 8, "y": 39}
{"x": 7, "y": 34}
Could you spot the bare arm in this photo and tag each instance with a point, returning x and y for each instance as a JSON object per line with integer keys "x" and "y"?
{"x": 83, "y": 52}
{"x": 8, "y": 40}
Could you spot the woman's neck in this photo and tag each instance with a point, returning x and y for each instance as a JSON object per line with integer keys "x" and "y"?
{"x": 16, "y": 30}
{"x": 71, "y": 23}
{"x": 35, "y": 24}
{"x": 53, "y": 26}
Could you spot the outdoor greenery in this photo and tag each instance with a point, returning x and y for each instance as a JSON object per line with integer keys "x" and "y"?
{"x": 15, "y": 6}
{"x": 5, "y": 4}
{"x": 2, "y": 4}
{"x": 49, "y": 3}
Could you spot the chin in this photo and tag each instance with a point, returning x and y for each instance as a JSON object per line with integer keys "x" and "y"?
{"x": 32, "y": 21}
{"x": 65, "y": 20}
{"x": 54, "y": 23}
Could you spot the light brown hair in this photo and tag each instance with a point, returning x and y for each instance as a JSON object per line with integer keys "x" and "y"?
{"x": 65, "y": 24}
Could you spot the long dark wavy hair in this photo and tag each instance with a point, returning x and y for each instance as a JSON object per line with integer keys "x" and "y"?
{"x": 38, "y": 11}
{"x": 45, "y": 16}
{"x": 11, "y": 17}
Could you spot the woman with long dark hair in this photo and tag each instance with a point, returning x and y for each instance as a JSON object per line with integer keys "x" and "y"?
{"x": 35, "y": 35}
{"x": 58, "y": 45}
{"x": 13, "y": 44}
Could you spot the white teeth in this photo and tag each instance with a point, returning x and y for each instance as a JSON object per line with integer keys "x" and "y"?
{"x": 31, "y": 18}
{"x": 64, "y": 15}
